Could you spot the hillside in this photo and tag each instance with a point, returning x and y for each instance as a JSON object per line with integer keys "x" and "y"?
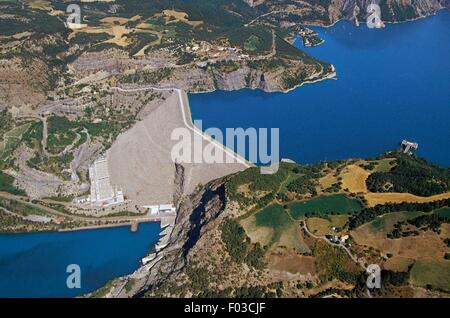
{"x": 221, "y": 44}
{"x": 253, "y": 235}
{"x": 68, "y": 93}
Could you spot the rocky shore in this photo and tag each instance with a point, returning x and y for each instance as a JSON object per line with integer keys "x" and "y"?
{"x": 195, "y": 216}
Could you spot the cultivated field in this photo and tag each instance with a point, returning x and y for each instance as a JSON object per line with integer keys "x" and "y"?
{"x": 180, "y": 16}
{"x": 426, "y": 245}
{"x": 274, "y": 217}
{"x": 293, "y": 263}
{"x": 431, "y": 273}
{"x": 322, "y": 226}
{"x": 382, "y": 198}
{"x": 398, "y": 264}
{"x": 327, "y": 204}
{"x": 385, "y": 223}
{"x": 354, "y": 179}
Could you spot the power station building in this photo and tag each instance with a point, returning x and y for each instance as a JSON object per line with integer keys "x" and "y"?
{"x": 102, "y": 192}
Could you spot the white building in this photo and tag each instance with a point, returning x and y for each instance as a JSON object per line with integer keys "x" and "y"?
{"x": 408, "y": 145}
{"x": 102, "y": 193}
{"x": 161, "y": 208}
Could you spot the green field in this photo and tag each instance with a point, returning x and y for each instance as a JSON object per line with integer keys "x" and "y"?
{"x": 434, "y": 273}
{"x": 330, "y": 204}
{"x": 253, "y": 40}
{"x": 385, "y": 223}
{"x": 384, "y": 165}
{"x": 444, "y": 212}
{"x": 276, "y": 218}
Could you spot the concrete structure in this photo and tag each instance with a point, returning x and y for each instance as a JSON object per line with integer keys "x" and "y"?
{"x": 161, "y": 208}
{"x": 102, "y": 192}
{"x": 140, "y": 160}
{"x": 408, "y": 145}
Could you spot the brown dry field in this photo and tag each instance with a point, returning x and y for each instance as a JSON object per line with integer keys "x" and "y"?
{"x": 354, "y": 178}
{"x": 445, "y": 230}
{"x": 39, "y": 4}
{"x": 293, "y": 263}
{"x": 119, "y": 31}
{"x": 392, "y": 197}
{"x": 321, "y": 226}
{"x": 318, "y": 226}
{"x": 181, "y": 16}
{"x": 398, "y": 264}
{"x": 292, "y": 238}
{"x": 327, "y": 180}
{"x": 339, "y": 220}
{"x": 426, "y": 245}
{"x": 112, "y": 20}
{"x": 259, "y": 234}
{"x": 244, "y": 188}
{"x": 333, "y": 284}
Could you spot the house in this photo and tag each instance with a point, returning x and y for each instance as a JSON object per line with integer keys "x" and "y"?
{"x": 333, "y": 239}
{"x": 344, "y": 238}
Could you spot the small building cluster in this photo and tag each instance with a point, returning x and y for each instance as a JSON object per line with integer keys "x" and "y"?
{"x": 205, "y": 52}
{"x": 102, "y": 192}
{"x": 337, "y": 239}
{"x": 160, "y": 209}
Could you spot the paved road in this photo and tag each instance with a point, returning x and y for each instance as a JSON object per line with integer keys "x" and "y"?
{"x": 121, "y": 219}
{"x": 261, "y": 16}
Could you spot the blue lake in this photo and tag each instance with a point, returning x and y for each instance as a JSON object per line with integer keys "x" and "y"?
{"x": 393, "y": 84}
{"x": 34, "y": 264}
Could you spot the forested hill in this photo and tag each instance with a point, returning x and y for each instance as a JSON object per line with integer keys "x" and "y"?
{"x": 411, "y": 174}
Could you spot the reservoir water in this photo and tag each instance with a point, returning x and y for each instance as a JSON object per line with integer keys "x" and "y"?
{"x": 34, "y": 264}
{"x": 393, "y": 84}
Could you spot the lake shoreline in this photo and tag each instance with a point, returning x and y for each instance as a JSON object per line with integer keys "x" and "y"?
{"x": 360, "y": 114}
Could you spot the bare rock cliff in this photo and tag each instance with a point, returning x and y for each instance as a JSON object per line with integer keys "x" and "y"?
{"x": 194, "y": 217}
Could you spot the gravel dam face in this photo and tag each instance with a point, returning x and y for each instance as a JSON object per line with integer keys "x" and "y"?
{"x": 140, "y": 160}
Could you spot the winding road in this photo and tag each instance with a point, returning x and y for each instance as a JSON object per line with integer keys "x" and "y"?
{"x": 353, "y": 257}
